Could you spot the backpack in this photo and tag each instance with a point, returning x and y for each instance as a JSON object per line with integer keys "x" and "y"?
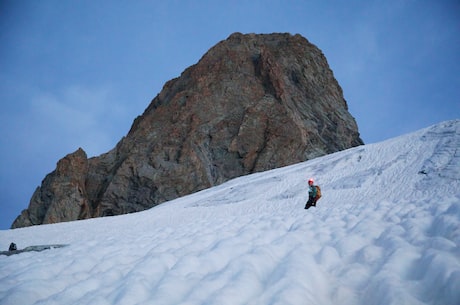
{"x": 12, "y": 247}
{"x": 318, "y": 192}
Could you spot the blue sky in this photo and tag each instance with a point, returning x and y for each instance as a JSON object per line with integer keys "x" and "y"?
{"x": 76, "y": 73}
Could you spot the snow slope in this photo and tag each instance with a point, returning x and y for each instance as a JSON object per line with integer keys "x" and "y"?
{"x": 387, "y": 231}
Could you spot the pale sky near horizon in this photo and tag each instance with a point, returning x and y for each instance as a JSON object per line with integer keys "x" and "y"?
{"x": 77, "y": 73}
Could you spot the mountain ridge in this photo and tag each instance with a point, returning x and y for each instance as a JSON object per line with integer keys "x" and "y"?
{"x": 253, "y": 102}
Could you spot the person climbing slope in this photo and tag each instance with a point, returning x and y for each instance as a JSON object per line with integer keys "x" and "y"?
{"x": 314, "y": 193}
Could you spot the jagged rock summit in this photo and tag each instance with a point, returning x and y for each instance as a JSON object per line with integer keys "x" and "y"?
{"x": 252, "y": 103}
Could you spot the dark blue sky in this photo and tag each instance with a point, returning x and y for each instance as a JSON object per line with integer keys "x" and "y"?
{"x": 76, "y": 73}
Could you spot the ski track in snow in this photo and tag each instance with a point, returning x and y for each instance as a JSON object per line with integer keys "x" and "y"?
{"x": 386, "y": 231}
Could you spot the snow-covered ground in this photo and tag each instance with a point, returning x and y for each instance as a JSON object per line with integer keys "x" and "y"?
{"x": 387, "y": 231}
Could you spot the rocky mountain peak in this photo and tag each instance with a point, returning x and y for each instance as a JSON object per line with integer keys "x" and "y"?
{"x": 253, "y": 102}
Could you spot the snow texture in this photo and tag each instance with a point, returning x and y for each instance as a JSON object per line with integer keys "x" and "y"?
{"x": 386, "y": 231}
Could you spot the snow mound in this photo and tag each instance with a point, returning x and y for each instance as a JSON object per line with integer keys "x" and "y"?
{"x": 386, "y": 231}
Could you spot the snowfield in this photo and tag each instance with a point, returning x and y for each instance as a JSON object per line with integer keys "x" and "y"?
{"x": 386, "y": 231}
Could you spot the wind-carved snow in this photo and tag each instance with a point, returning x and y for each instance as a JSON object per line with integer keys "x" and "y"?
{"x": 386, "y": 231}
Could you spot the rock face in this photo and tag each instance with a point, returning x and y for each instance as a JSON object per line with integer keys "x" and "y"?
{"x": 62, "y": 194}
{"x": 252, "y": 103}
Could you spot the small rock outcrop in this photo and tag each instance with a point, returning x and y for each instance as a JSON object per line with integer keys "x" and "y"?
{"x": 61, "y": 196}
{"x": 252, "y": 103}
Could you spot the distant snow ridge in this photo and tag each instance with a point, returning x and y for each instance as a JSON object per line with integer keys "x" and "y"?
{"x": 387, "y": 231}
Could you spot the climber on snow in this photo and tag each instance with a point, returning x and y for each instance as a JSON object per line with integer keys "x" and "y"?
{"x": 314, "y": 193}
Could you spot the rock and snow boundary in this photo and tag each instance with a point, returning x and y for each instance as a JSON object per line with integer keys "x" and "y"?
{"x": 386, "y": 231}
